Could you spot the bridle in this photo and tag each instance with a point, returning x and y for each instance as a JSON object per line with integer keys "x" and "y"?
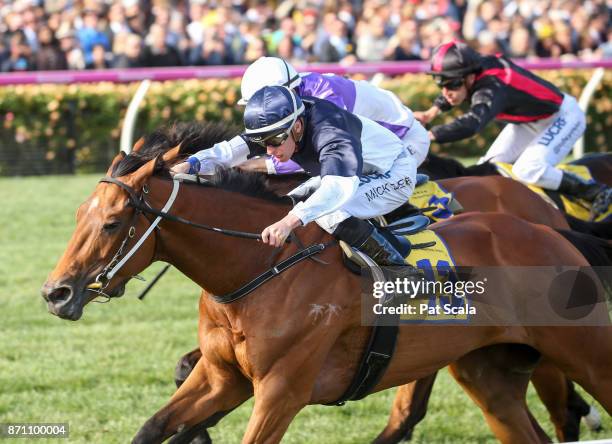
{"x": 140, "y": 206}
{"x": 138, "y": 202}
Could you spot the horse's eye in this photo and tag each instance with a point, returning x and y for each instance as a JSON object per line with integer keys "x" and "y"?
{"x": 111, "y": 226}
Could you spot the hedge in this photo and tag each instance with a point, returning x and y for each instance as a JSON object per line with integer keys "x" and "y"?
{"x": 76, "y": 128}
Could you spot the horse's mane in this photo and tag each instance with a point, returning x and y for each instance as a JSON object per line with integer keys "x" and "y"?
{"x": 438, "y": 167}
{"x": 246, "y": 182}
{"x": 193, "y": 137}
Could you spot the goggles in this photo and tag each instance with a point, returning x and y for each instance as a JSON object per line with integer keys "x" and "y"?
{"x": 274, "y": 140}
{"x": 451, "y": 84}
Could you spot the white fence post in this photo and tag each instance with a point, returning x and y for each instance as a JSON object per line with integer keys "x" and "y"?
{"x": 583, "y": 103}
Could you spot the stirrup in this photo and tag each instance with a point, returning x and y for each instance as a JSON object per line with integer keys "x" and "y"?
{"x": 409, "y": 225}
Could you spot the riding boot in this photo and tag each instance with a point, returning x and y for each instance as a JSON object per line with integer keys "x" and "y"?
{"x": 601, "y": 203}
{"x": 576, "y": 187}
{"x": 384, "y": 250}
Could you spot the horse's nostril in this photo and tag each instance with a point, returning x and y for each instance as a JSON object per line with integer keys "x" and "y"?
{"x": 59, "y": 294}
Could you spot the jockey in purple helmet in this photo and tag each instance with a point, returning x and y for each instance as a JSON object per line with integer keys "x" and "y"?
{"x": 542, "y": 123}
{"x": 358, "y": 97}
{"x": 360, "y": 169}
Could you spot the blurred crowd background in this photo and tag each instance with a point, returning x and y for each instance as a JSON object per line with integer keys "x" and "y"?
{"x": 73, "y": 34}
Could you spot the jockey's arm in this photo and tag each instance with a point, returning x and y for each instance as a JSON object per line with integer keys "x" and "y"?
{"x": 341, "y": 165}
{"x": 485, "y": 105}
{"x": 270, "y": 165}
{"x": 333, "y": 193}
{"x": 226, "y": 154}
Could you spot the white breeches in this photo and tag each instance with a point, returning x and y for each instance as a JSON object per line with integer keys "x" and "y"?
{"x": 377, "y": 194}
{"x": 536, "y": 147}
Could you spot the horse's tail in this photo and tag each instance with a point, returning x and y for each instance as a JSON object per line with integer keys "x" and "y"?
{"x": 597, "y": 251}
{"x": 599, "y": 229}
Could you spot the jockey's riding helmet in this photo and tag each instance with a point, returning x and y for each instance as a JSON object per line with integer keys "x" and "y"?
{"x": 452, "y": 61}
{"x": 270, "y": 115}
{"x": 267, "y": 71}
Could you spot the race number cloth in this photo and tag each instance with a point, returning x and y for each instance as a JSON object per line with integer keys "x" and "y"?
{"x": 431, "y": 194}
{"x": 438, "y": 265}
{"x": 577, "y": 208}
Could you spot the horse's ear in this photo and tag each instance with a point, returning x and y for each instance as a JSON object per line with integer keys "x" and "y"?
{"x": 139, "y": 143}
{"x": 171, "y": 154}
{"x": 138, "y": 178}
{"x": 118, "y": 158}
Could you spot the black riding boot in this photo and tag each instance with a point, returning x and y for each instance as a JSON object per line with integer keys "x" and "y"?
{"x": 365, "y": 237}
{"x": 575, "y": 186}
{"x": 599, "y": 194}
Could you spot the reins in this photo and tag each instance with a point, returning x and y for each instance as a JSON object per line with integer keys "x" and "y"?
{"x": 136, "y": 203}
{"x": 141, "y": 206}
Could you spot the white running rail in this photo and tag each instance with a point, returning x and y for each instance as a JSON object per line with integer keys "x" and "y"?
{"x": 127, "y": 131}
{"x": 583, "y": 103}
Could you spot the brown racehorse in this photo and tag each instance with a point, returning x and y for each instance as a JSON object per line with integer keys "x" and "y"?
{"x": 599, "y": 165}
{"x": 286, "y": 358}
{"x": 486, "y": 194}
{"x": 437, "y": 167}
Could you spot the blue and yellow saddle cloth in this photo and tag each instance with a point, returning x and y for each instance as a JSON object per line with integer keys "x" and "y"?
{"x": 432, "y": 194}
{"x": 577, "y": 208}
{"x": 438, "y": 265}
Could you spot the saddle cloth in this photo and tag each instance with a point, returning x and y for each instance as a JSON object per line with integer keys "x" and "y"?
{"x": 577, "y": 208}
{"x": 437, "y": 264}
{"x": 431, "y": 255}
{"x": 432, "y": 194}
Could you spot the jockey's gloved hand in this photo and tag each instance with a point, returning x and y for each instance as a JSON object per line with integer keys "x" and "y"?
{"x": 180, "y": 168}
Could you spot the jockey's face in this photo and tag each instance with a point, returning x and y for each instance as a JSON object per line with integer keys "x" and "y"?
{"x": 284, "y": 151}
{"x": 456, "y": 94}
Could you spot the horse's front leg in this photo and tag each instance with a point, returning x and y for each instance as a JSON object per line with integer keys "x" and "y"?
{"x": 287, "y": 385}
{"x": 209, "y": 393}
{"x": 278, "y": 398}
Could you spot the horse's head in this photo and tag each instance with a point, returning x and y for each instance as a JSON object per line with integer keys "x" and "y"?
{"x": 108, "y": 226}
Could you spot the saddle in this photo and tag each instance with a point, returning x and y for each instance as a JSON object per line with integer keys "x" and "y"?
{"x": 578, "y": 208}
{"x": 427, "y": 249}
{"x": 355, "y": 260}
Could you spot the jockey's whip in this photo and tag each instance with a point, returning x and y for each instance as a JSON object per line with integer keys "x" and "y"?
{"x": 144, "y": 292}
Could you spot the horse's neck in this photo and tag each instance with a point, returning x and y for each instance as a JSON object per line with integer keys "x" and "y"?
{"x": 216, "y": 262}
{"x": 442, "y": 168}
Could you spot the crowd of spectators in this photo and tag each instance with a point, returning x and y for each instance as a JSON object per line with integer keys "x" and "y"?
{"x": 81, "y": 34}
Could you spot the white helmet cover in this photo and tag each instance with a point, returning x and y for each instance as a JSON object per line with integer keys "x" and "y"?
{"x": 267, "y": 71}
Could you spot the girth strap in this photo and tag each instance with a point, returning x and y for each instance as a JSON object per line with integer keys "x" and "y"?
{"x": 377, "y": 354}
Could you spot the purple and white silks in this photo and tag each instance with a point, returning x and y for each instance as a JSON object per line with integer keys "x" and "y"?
{"x": 364, "y": 99}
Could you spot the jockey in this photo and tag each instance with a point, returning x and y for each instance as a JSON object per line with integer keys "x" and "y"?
{"x": 356, "y": 96}
{"x": 543, "y": 122}
{"x": 362, "y": 169}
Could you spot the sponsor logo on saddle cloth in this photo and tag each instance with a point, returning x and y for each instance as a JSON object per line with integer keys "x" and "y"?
{"x": 437, "y": 265}
{"x": 431, "y": 194}
{"x": 577, "y": 208}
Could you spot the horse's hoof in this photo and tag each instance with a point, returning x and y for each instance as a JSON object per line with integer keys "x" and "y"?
{"x": 593, "y": 420}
